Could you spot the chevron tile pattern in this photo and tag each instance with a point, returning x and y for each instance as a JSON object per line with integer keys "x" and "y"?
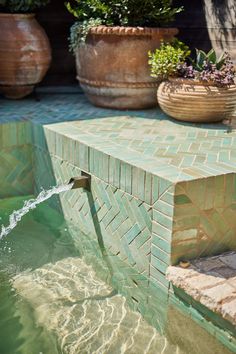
{"x": 121, "y": 221}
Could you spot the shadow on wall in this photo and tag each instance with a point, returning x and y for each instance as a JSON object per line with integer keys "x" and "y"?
{"x": 221, "y": 24}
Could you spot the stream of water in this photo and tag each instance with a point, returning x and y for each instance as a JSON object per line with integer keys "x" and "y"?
{"x": 17, "y": 215}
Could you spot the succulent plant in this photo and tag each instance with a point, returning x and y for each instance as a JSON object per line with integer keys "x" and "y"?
{"x": 203, "y": 58}
{"x": 208, "y": 68}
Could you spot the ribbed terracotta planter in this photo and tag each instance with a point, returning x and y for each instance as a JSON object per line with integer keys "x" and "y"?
{"x": 25, "y": 54}
{"x": 112, "y": 65}
{"x": 191, "y": 101}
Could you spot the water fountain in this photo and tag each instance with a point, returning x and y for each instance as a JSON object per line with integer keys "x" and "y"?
{"x": 82, "y": 181}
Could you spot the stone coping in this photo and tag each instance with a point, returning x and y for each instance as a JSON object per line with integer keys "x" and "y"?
{"x": 210, "y": 281}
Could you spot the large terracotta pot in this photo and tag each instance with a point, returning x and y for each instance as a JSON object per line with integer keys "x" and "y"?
{"x": 113, "y": 68}
{"x": 191, "y": 101}
{"x": 25, "y": 54}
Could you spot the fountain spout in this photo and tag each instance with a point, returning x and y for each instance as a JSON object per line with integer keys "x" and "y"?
{"x": 81, "y": 181}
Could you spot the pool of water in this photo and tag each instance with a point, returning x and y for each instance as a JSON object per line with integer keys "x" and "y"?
{"x": 63, "y": 294}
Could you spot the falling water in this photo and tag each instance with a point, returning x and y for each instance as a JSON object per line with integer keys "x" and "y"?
{"x": 17, "y": 215}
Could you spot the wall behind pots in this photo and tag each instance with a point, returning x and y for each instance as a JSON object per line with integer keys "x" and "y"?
{"x": 203, "y": 24}
{"x": 208, "y": 23}
{"x": 56, "y": 21}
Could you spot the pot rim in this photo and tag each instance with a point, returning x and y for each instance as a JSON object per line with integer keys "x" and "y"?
{"x": 195, "y": 82}
{"x": 17, "y": 15}
{"x": 136, "y": 31}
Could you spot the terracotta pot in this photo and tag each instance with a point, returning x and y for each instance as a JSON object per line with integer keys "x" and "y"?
{"x": 25, "y": 54}
{"x": 191, "y": 101}
{"x": 112, "y": 66}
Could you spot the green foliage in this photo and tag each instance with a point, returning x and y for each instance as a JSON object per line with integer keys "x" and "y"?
{"x": 172, "y": 59}
{"x": 164, "y": 62}
{"x": 21, "y": 6}
{"x": 125, "y": 12}
{"x": 202, "y": 58}
{"x": 149, "y": 13}
{"x": 79, "y": 31}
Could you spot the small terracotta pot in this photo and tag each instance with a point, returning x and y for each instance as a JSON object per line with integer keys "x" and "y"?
{"x": 112, "y": 65}
{"x": 191, "y": 101}
{"x": 25, "y": 54}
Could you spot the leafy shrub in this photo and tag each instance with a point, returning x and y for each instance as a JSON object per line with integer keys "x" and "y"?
{"x": 79, "y": 31}
{"x": 148, "y": 13}
{"x": 165, "y": 61}
{"x": 125, "y": 12}
{"x": 172, "y": 60}
{"x": 21, "y": 6}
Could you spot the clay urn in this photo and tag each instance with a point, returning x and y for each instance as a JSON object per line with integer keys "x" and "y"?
{"x": 25, "y": 54}
{"x": 112, "y": 65}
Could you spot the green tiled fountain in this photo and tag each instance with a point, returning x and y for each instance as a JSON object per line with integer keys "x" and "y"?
{"x": 162, "y": 191}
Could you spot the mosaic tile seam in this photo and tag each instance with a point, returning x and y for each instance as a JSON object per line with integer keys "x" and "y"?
{"x": 162, "y": 225}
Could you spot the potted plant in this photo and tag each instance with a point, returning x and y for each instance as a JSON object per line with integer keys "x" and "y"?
{"x": 25, "y": 53}
{"x": 111, "y": 40}
{"x": 200, "y": 90}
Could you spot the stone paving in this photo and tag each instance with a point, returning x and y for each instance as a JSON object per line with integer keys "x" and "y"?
{"x": 211, "y": 281}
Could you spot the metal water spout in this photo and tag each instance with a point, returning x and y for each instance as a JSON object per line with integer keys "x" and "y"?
{"x": 83, "y": 181}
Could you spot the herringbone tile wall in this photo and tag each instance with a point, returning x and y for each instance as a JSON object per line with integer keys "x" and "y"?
{"x": 121, "y": 221}
{"x": 16, "y": 171}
